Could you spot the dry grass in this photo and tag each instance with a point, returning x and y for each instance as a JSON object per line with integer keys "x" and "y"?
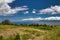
{"x": 29, "y": 33}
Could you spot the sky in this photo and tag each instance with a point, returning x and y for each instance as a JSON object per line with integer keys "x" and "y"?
{"x": 29, "y": 10}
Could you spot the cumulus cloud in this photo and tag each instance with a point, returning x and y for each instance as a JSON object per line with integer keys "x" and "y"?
{"x": 51, "y": 10}
{"x": 5, "y": 9}
{"x": 6, "y": 1}
{"x": 40, "y": 18}
{"x": 9, "y": 1}
{"x": 26, "y": 12}
{"x": 32, "y": 19}
{"x": 34, "y": 11}
{"x": 52, "y": 18}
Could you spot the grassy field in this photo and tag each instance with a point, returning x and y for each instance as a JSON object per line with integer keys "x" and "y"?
{"x": 17, "y": 32}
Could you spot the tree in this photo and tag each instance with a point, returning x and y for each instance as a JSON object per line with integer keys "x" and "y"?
{"x": 6, "y": 22}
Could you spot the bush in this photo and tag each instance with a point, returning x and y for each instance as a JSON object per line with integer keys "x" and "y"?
{"x": 6, "y": 22}
{"x": 25, "y": 37}
{"x": 17, "y": 37}
{"x": 1, "y": 37}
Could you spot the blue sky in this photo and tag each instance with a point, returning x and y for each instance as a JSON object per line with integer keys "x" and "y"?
{"x": 23, "y": 10}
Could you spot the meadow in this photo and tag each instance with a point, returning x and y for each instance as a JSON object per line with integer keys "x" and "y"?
{"x": 29, "y": 32}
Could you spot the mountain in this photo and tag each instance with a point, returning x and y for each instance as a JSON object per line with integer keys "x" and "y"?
{"x": 49, "y": 22}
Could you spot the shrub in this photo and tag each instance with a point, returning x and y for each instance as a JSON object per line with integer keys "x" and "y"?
{"x": 6, "y": 22}
{"x": 25, "y": 37}
{"x": 17, "y": 37}
{"x": 1, "y": 37}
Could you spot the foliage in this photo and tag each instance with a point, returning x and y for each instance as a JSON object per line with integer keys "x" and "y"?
{"x": 17, "y": 37}
{"x": 37, "y": 26}
{"x": 25, "y": 37}
{"x": 1, "y": 37}
{"x": 6, "y": 22}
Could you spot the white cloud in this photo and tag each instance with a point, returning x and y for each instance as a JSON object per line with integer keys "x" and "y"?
{"x": 34, "y": 11}
{"x": 32, "y": 19}
{"x": 24, "y": 6}
{"x": 5, "y": 9}
{"x": 6, "y": 1}
{"x": 26, "y": 12}
{"x": 9, "y": 1}
{"x": 39, "y": 18}
{"x": 51, "y": 10}
{"x": 52, "y": 18}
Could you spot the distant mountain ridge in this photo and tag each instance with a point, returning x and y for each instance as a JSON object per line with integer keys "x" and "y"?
{"x": 49, "y": 22}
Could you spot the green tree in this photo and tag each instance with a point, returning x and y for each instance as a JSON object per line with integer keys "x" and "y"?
{"x": 6, "y": 22}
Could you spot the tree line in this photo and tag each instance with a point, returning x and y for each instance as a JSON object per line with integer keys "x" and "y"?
{"x": 8, "y": 22}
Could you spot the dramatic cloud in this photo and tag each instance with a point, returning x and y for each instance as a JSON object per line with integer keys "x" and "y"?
{"x": 51, "y": 10}
{"x": 5, "y": 9}
{"x": 39, "y": 18}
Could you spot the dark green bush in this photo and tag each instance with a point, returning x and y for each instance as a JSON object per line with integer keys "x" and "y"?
{"x": 6, "y": 22}
{"x": 25, "y": 37}
{"x": 1, "y": 37}
{"x": 17, "y": 37}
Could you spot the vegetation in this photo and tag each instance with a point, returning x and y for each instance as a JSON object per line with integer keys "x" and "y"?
{"x": 25, "y": 37}
{"x": 17, "y": 37}
{"x": 10, "y": 31}
{"x": 6, "y": 22}
{"x": 1, "y": 37}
